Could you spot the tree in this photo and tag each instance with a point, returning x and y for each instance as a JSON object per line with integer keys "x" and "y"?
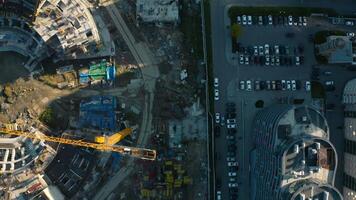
{"x": 236, "y": 31}
{"x": 48, "y": 117}
{"x": 259, "y": 104}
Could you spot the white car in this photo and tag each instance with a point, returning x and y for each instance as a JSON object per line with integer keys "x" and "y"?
{"x": 242, "y": 61}
{"x": 216, "y": 82}
{"x": 233, "y": 185}
{"x": 294, "y": 85}
{"x": 350, "y": 34}
{"x": 304, "y": 21}
{"x": 217, "y": 118}
{"x": 238, "y": 19}
{"x": 290, "y": 20}
{"x": 277, "y": 60}
{"x": 289, "y": 86}
{"x": 231, "y": 126}
{"x": 249, "y": 85}
{"x": 242, "y": 85}
{"x": 216, "y": 93}
{"x": 267, "y": 60}
{"x": 266, "y": 49}
{"x": 307, "y": 85}
{"x": 329, "y": 82}
{"x": 349, "y": 23}
{"x": 232, "y": 164}
{"x": 300, "y": 22}
{"x": 218, "y": 195}
{"x": 297, "y": 60}
{"x": 255, "y": 50}
{"x": 232, "y": 180}
{"x": 276, "y": 49}
{"x": 246, "y": 60}
{"x": 270, "y": 20}
{"x": 244, "y": 19}
{"x": 249, "y": 19}
{"x": 231, "y": 174}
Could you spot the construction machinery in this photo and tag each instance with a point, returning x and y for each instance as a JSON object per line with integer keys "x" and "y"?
{"x": 103, "y": 143}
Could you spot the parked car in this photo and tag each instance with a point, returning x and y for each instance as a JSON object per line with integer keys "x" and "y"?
{"x": 304, "y": 21}
{"x": 216, "y": 82}
{"x": 232, "y": 174}
{"x": 230, "y": 126}
{"x": 249, "y": 85}
{"x": 350, "y": 34}
{"x": 260, "y": 20}
{"x": 307, "y": 85}
{"x": 247, "y": 60}
{"x": 242, "y": 61}
{"x": 216, "y": 93}
{"x": 294, "y": 85}
{"x": 273, "y": 85}
{"x": 230, "y": 137}
{"x": 255, "y": 50}
{"x": 300, "y": 22}
{"x": 244, "y": 19}
{"x": 276, "y": 49}
{"x": 238, "y": 19}
{"x": 349, "y": 23}
{"x": 267, "y": 60}
{"x": 231, "y": 164}
{"x": 266, "y": 49}
{"x": 257, "y": 85}
{"x": 260, "y": 49}
{"x": 283, "y": 83}
{"x": 270, "y": 20}
{"x": 231, "y": 121}
{"x": 268, "y": 85}
{"x": 249, "y": 20}
{"x": 233, "y": 185}
{"x": 242, "y": 85}
{"x": 297, "y": 60}
{"x": 218, "y": 195}
{"x": 277, "y": 61}
{"x": 290, "y": 20}
{"x": 217, "y": 118}
{"x": 289, "y": 85}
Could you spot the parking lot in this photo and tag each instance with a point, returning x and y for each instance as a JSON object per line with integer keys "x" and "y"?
{"x": 272, "y": 64}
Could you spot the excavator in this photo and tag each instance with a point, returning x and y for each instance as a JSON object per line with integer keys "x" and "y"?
{"x": 103, "y": 143}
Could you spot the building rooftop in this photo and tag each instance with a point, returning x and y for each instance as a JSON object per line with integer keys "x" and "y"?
{"x": 349, "y": 94}
{"x": 301, "y": 121}
{"x": 309, "y": 158}
{"x": 338, "y": 49}
{"x": 315, "y": 191}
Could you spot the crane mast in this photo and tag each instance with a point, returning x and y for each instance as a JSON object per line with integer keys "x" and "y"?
{"x": 141, "y": 153}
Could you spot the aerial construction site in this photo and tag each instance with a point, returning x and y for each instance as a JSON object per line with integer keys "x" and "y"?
{"x": 102, "y": 99}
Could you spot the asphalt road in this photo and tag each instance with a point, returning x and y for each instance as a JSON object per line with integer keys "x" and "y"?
{"x": 229, "y": 73}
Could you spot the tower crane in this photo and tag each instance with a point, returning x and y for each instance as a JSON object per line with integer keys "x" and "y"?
{"x": 103, "y": 143}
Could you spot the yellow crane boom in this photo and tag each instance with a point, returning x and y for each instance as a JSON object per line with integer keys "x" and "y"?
{"x": 114, "y": 138}
{"x": 141, "y": 153}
